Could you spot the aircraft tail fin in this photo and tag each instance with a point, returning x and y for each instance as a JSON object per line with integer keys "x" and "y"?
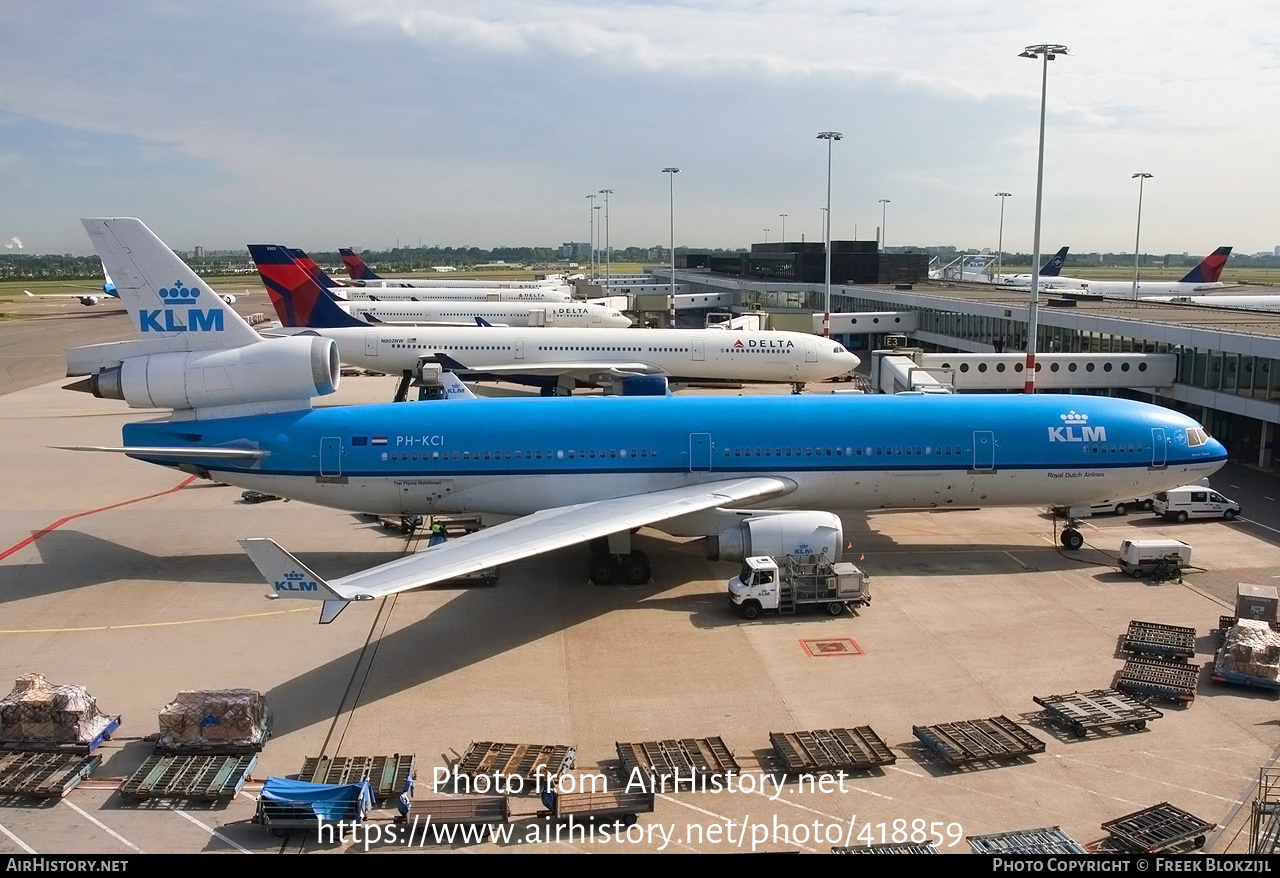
{"x": 1053, "y": 265}
{"x": 309, "y": 265}
{"x": 290, "y": 578}
{"x": 1209, "y": 269}
{"x": 298, "y": 299}
{"x": 166, "y": 300}
{"x": 355, "y": 265}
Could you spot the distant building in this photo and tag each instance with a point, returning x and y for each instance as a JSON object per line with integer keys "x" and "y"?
{"x": 574, "y": 250}
{"x": 199, "y": 252}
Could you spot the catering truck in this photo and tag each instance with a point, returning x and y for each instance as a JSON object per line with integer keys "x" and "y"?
{"x": 789, "y": 582}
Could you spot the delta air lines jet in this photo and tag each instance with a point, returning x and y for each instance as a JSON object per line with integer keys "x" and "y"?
{"x": 555, "y": 359}
{"x": 590, "y": 470}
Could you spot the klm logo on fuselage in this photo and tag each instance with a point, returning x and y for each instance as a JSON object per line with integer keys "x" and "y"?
{"x": 1077, "y": 430}
{"x": 174, "y": 320}
{"x": 294, "y": 581}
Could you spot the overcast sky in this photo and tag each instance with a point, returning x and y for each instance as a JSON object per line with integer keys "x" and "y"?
{"x": 362, "y": 122}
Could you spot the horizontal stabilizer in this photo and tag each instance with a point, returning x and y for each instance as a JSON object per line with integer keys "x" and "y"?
{"x": 188, "y": 451}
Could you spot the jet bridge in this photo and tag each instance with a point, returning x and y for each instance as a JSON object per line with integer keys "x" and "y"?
{"x": 894, "y": 371}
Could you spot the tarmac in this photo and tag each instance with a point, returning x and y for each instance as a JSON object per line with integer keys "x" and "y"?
{"x": 127, "y": 579}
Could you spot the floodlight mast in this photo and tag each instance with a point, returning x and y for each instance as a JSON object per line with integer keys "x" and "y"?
{"x": 828, "y": 136}
{"x": 1047, "y": 52}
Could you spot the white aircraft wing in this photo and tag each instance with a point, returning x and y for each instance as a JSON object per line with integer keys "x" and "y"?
{"x": 533, "y": 534}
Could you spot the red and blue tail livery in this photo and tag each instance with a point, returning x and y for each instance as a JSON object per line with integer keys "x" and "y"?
{"x": 1209, "y": 269}
{"x": 355, "y": 265}
{"x": 298, "y": 299}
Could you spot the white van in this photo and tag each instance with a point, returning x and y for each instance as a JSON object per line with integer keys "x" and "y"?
{"x": 1194, "y": 501}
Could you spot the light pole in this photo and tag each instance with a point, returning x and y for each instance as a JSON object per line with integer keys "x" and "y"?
{"x": 671, "y": 180}
{"x": 828, "y": 136}
{"x": 784, "y": 226}
{"x": 595, "y": 249}
{"x": 1048, "y": 52}
{"x": 607, "y": 255}
{"x": 1000, "y": 246}
{"x": 591, "y": 214}
{"x": 1142, "y": 177}
{"x": 766, "y": 236}
{"x": 884, "y": 226}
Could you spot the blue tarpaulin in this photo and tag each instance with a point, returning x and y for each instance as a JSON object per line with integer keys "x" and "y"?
{"x": 327, "y": 801}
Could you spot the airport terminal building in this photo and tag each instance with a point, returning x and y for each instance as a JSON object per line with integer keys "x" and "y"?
{"x": 1228, "y": 360}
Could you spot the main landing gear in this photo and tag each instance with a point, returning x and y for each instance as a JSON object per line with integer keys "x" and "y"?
{"x": 613, "y": 558}
{"x": 605, "y": 568}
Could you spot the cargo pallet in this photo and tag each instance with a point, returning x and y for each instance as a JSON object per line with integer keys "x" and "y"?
{"x": 979, "y": 740}
{"x": 1163, "y": 641}
{"x": 389, "y": 776}
{"x": 84, "y": 749}
{"x": 44, "y": 774}
{"x": 1098, "y": 709}
{"x": 534, "y": 764}
{"x": 1173, "y": 681}
{"x": 1235, "y": 678}
{"x": 685, "y": 761}
{"x": 827, "y": 750}
{"x": 1048, "y": 840}
{"x": 457, "y": 811}
{"x": 1158, "y": 828}
{"x": 905, "y": 847}
{"x": 219, "y": 748}
{"x": 190, "y": 776}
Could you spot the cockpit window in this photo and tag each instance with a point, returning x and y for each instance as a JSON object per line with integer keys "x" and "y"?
{"x": 1196, "y": 436}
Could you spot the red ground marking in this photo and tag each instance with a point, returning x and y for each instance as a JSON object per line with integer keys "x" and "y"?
{"x": 61, "y": 521}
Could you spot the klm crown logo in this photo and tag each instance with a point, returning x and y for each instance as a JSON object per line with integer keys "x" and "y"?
{"x": 179, "y": 295}
{"x": 1068, "y": 433}
{"x": 295, "y": 581}
{"x": 185, "y": 320}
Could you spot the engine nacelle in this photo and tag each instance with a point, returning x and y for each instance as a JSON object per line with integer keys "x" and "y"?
{"x": 784, "y": 533}
{"x": 88, "y": 300}
{"x": 644, "y": 385}
{"x": 274, "y": 370}
{"x": 227, "y": 297}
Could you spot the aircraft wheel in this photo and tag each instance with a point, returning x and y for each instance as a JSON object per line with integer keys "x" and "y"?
{"x": 1072, "y": 539}
{"x": 603, "y": 569}
{"x": 835, "y": 608}
{"x": 636, "y": 569}
{"x": 1181, "y": 516}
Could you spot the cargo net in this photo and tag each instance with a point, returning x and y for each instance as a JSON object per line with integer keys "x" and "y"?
{"x": 39, "y": 712}
{"x": 1251, "y": 648}
{"x": 233, "y": 717}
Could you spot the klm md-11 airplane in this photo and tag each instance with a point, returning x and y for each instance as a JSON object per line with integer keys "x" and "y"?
{"x": 757, "y": 475}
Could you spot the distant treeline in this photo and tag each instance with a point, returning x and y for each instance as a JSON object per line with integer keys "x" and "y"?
{"x": 418, "y": 259}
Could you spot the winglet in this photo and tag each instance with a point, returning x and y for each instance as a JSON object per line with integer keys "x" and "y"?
{"x": 480, "y": 321}
{"x": 290, "y": 578}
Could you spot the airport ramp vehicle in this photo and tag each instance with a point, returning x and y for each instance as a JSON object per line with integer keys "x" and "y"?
{"x": 42, "y": 774}
{"x": 458, "y": 810}
{"x": 579, "y": 796}
{"x": 1162, "y": 641}
{"x": 979, "y": 740}
{"x": 534, "y": 764}
{"x": 387, "y": 776}
{"x": 1162, "y": 827}
{"x": 293, "y": 804}
{"x": 1172, "y": 681}
{"x": 200, "y": 777}
{"x": 1081, "y": 712}
{"x": 826, "y": 751}
{"x": 1048, "y": 840}
{"x": 673, "y": 763}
